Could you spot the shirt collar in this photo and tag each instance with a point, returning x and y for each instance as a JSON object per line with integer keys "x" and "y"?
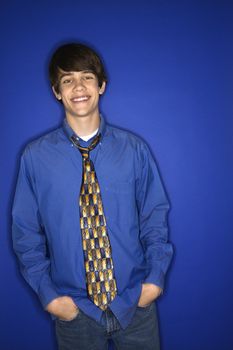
{"x": 69, "y": 131}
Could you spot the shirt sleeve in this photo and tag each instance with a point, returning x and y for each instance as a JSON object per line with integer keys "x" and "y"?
{"x": 153, "y": 208}
{"x": 29, "y": 240}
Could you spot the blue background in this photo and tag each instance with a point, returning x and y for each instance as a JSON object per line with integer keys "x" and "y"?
{"x": 170, "y": 66}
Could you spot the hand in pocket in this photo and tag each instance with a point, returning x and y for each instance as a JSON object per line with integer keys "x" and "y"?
{"x": 150, "y": 292}
{"x": 63, "y": 308}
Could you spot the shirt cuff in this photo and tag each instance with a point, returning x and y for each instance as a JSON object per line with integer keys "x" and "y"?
{"x": 155, "y": 277}
{"x": 47, "y": 292}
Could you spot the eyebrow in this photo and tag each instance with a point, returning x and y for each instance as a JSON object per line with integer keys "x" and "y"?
{"x": 64, "y": 75}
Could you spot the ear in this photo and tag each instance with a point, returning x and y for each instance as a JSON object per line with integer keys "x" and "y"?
{"x": 102, "y": 89}
{"x": 57, "y": 94}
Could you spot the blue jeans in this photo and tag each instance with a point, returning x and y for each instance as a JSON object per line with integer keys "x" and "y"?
{"x": 84, "y": 333}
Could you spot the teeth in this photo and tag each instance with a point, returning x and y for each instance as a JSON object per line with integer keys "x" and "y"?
{"x": 82, "y": 98}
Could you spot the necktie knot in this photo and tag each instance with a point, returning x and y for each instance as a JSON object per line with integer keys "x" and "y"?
{"x": 85, "y": 154}
{"x": 85, "y": 150}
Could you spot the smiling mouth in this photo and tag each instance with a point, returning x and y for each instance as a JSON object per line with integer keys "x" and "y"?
{"x": 80, "y": 99}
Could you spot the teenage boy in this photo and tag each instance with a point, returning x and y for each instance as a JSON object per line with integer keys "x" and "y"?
{"x": 90, "y": 218}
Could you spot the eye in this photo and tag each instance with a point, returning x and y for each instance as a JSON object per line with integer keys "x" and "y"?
{"x": 89, "y": 77}
{"x": 66, "y": 81}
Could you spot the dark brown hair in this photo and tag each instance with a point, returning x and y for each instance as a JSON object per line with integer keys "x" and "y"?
{"x": 75, "y": 57}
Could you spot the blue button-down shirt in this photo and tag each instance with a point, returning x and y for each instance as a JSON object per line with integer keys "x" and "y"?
{"x": 46, "y": 226}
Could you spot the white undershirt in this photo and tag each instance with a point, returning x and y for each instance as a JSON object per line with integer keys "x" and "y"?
{"x": 88, "y": 137}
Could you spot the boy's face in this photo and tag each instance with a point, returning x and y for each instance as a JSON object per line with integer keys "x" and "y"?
{"x": 79, "y": 92}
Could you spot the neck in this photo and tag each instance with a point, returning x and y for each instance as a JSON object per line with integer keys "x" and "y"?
{"x": 83, "y": 126}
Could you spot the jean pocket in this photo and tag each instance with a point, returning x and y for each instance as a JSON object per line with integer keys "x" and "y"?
{"x": 146, "y": 308}
{"x": 62, "y": 321}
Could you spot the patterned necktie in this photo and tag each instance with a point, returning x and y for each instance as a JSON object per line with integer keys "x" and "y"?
{"x": 100, "y": 279}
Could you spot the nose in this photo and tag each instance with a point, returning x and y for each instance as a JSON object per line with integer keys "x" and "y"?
{"x": 79, "y": 85}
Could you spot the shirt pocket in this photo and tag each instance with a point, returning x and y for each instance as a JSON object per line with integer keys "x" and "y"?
{"x": 119, "y": 186}
{"x": 118, "y": 201}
